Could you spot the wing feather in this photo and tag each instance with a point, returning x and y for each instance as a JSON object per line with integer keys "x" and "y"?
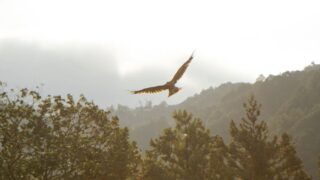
{"x": 182, "y": 69}
{"x": 151, "y": 90}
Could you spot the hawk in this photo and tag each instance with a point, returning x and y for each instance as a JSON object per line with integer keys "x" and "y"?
{"x": 169, "y": 85}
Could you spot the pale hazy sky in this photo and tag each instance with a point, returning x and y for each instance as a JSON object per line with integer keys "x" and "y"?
{"x": 104, "y": 48}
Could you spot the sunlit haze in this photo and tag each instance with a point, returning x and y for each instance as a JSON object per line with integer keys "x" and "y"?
{"x": 103, "y": 49}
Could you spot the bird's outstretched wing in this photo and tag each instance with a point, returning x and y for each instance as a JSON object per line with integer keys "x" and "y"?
{"x": 182, "y": 69}
{"x": 151, "y": 90}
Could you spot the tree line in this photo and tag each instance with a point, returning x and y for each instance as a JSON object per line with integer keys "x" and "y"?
{"x": 65, "y": 138}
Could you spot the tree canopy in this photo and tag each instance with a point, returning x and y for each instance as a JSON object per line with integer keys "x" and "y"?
{"x": 187, "y": 151}
{"x": 56, "y": 138}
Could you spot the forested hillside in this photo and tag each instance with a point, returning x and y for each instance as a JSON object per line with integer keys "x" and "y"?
{"x": 290, "y": 103}
{"x": 266, "y": 130}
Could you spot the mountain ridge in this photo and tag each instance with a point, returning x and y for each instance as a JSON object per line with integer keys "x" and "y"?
{"x": 290, "y": 103}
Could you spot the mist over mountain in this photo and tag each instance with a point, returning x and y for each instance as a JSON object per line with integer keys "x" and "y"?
{"x": 102, "y": 74}
{"x": 290, "y": 103}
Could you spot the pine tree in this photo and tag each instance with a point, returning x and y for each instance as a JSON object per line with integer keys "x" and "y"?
{"x": 256, "y": 155}
{"x": 186, "y": 152}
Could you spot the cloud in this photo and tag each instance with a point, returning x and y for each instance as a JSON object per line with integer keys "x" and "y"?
{"x": 91, "y": 71}
{"x": 96, "y": 72}
{"x": 62, "y": 70}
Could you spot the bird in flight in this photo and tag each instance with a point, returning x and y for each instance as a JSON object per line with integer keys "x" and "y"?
{"x": 170, "y": 85}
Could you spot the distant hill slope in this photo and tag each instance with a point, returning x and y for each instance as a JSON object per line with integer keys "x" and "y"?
{"x": 290, "y": 103}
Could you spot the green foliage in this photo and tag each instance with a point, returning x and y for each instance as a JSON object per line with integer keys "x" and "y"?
{"x": 56, "y": 138}
{"x": 186, "y": 152}
{"x": 257, "y": 155}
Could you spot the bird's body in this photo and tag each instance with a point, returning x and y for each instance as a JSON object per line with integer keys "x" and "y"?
{"x": 170, "y": 85}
